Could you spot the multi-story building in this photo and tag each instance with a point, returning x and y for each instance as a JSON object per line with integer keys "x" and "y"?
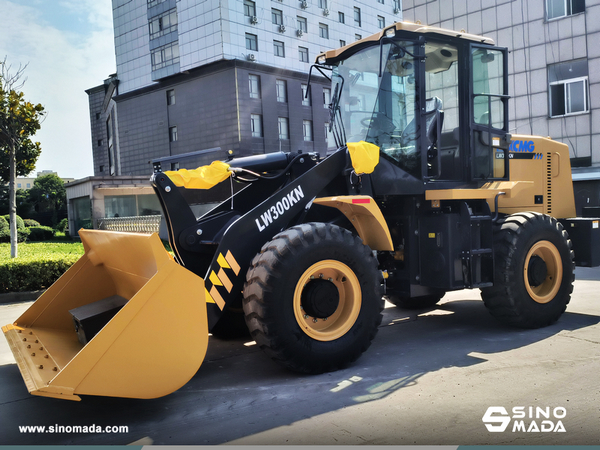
{"x": 232, "y": 74}
{"x": 554, "y": 69}
{"x": 27, "y": 182}
{"x": 206, "y": 74}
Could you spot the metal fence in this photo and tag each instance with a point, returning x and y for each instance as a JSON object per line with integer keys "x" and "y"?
{"x": 137, "y": 224}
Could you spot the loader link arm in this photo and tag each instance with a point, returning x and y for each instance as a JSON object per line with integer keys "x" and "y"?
{"x": 243, "y": 239}
{"x": 194, "y": 240}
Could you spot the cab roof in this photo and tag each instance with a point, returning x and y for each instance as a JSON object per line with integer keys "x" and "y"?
{"x": 416, "y": 28}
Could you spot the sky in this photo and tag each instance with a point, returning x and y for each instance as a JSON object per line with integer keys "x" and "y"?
{"x": 68, "y": 46}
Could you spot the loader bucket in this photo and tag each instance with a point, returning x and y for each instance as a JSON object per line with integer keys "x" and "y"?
{"x": 151, "y": 347}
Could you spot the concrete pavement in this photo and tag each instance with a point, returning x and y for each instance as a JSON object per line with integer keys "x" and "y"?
{"x": 428, "y": 378}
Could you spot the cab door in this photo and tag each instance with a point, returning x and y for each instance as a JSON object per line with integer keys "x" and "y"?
{"x": 489, "y": 112}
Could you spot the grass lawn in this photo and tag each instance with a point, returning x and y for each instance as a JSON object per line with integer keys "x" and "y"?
{"x": 40, "y": 250}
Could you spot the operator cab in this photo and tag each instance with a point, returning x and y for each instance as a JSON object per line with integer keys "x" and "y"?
{"x": 434, "y": 102}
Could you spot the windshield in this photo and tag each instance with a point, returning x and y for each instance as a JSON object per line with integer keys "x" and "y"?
{"x": 378, "y": 109}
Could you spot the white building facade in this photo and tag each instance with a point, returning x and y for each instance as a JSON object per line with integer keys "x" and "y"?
{"x": 158, "y": 38}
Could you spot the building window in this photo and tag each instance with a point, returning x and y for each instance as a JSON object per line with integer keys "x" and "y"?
{"x": 279, "y": 49}
{"x": 381, "y": 22}
{"x": 251, "y": 42}
{"x": 342, "y": 43}
{"x": 249, "y": 8}
{"x": 165, "y": 56}
{"x": 322, "y": 4}
{"x": 305, "y": 95}
{"x": 563, "y": 8}
{"x": 256, "y": 125}
{"x": 357, "y": 16}
{"x": 172, "y": 134}
{"x": 307, "y": 130}
{"x": 302, "y": 24}
{"x": 341, "y": 17}
{"x": 357, "y": 37}
{"x": 283, "y": 128}
{"x": 303, "y": 54}
{"x": 323, "y": 31}
{"x": 381, "y": 1}
{"x": 254, "y": 86}
{"x": 152, "y": 3}
{"x": 99, "y": 142}
{"x": 171, "y": 97}
{"x": 326, "y": 97}
{"x": 101, "y": 169}
{"x": 569, "y": 88}
{"x": 97, "y": 116}
{"x": 18, "y": 185}
{"x": 281, "y": 88}
{"x": 163, "y": 24}
{"x": 174, "y": 166}
{"x": 276, "y": 16}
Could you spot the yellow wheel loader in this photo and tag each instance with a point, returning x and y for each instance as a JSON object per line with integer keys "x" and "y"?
{"x": 425, "y": 193}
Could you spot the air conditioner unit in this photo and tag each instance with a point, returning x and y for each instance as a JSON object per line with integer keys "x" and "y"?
{"x": 253, "y": 20}
{"x": 325, "y": 12}
{"x": 251, "y": 57}
{"x": 303, "y": 4}
{"x": 299, "y": 33}
{"x": 282, "y": 28}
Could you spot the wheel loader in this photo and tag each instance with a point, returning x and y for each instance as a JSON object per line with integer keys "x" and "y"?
{"x": 426, "y": 192}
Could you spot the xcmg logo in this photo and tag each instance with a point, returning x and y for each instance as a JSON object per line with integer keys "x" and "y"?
{"x": 522, "y": 146}
{"x": 525, "y": 419}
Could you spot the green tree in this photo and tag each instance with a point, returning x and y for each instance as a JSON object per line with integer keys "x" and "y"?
{"x": 48, "y": 194}
{"x": 19, "y": 121}
{"x": 26, "y": 156}
{"x": 24, "y": 207}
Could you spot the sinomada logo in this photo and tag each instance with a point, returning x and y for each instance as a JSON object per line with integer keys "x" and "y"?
{"x": 525, "y": 419}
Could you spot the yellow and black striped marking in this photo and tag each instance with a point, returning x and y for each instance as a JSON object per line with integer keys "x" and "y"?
{"x": 220, "y": 280}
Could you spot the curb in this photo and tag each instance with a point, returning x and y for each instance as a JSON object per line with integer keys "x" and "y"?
{"x": 16, "y": 297}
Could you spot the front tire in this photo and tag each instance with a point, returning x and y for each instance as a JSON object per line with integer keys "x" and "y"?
{"x": 534, "y": 271}
{"x": 313, "y": 298}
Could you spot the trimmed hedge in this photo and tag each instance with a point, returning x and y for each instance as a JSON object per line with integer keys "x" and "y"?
{"x": 37, "y": 266}
{"x": 20, "y": 275}
{"x": 41, "y": 233}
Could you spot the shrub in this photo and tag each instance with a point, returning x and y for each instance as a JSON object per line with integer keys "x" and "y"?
{"x": 38, "y": 265}
{"x": 20, "y": 223}
{"x": 41, "y": 233}
{"x": 19, "y": 275}
{"x": 22, "y": 232}
{"x": 31, "y": 223}
{"x": 62, "y": 225}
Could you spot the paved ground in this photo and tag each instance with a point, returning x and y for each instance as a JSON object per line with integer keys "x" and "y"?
{"x": 428, "y": 378}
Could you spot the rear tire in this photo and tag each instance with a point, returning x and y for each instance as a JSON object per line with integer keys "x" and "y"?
{"x": 313, "y": 298}
{"x": 534, "y": 271}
